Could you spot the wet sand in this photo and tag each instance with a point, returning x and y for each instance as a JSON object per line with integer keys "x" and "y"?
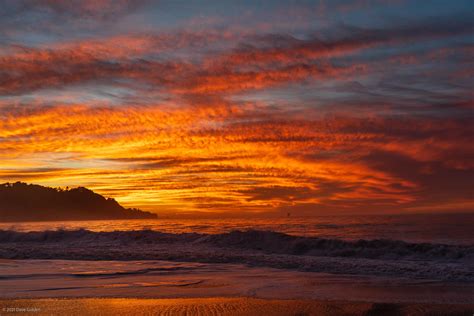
{"x": 36, "y": 279}
{"x": 219, "y": 306}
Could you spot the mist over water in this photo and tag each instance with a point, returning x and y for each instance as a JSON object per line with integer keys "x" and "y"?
{"x": 431, "y": 228}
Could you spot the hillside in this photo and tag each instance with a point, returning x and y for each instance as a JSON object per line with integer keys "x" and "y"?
{"x": 29, "y": 202}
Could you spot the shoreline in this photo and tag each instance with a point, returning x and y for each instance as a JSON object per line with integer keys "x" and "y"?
{"x": 221, "y": 306}
{"x": 43, "y": 279}
{"x": 382, "y": 258}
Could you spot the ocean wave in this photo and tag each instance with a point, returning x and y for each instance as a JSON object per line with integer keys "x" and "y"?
{"x": 263, "y": 241}
{"x": 378, "y": 248}
{"x": 61, "y": 235}
{"x": 98, "y": 274}
{"x": 256, "y": 248}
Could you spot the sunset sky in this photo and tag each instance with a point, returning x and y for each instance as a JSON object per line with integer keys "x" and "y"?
{"x": 308, "y": 107}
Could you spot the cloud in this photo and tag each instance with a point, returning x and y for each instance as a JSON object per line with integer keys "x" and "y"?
{"x": 342, "y": 117}
{"x": 281, "y": 60}
{"x": 183, "y": 155}
{"x": 76, "y": 9}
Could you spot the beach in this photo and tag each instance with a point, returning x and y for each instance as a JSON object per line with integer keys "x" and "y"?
{"x": 220, "y": 306}
{"x": 73, "y": 287}
{"x": 309, "y": 157}
{"x": 46, "y": 270}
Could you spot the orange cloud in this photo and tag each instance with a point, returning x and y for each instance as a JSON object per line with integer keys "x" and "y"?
{"x": 182, "y": 159}
{"x": 194, "y": 131}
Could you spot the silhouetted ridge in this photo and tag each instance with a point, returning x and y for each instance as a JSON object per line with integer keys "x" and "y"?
{"x": 29, "y": 202}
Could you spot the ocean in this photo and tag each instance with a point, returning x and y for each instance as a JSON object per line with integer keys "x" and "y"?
{"x": 396, "y": 258}
{"x": 453, "y": 229}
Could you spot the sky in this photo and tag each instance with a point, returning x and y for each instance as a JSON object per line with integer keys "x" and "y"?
{"x": 242, "y": 107}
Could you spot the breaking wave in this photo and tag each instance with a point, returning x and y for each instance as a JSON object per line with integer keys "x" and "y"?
{"x": 261, "y": 241}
